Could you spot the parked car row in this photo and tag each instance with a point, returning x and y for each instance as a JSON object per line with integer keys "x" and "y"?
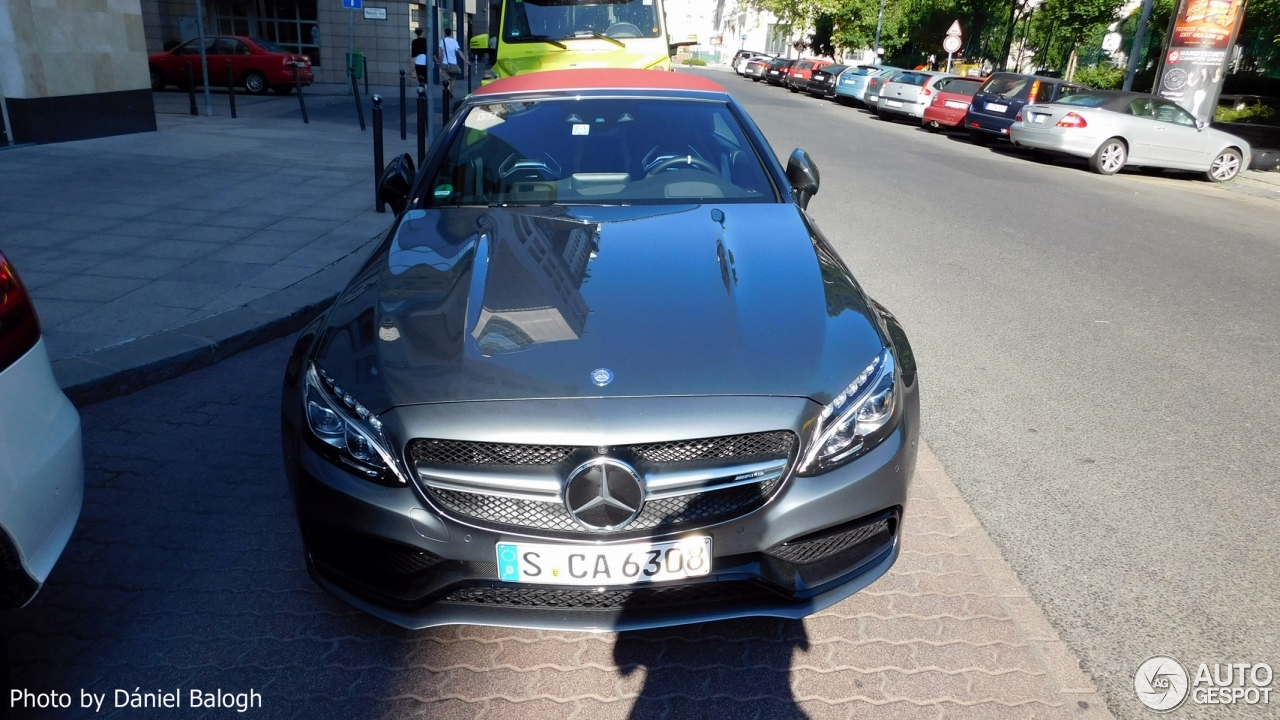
{"x": 1051, "y": 117}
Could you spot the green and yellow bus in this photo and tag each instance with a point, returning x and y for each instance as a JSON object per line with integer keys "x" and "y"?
{"x": 538, "y": 35}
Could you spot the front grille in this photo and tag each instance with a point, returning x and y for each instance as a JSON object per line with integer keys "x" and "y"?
{"x": 805, "y": 552}
{"x": 458, "y": 452}
{"x": 664, "y": 513}
{"x": 766, "y": 444}
{"x": 709, "y": 593}
{"x": 504, "y": 513}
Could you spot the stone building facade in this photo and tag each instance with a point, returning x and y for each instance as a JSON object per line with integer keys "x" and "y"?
{"x": 73, "y": 69}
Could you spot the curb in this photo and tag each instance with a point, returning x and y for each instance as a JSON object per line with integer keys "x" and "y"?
{"x": 130, "y": 366}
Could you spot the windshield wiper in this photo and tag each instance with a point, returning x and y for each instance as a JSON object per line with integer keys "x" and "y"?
{"x": 539, "y": 38}
{"x": 602, "y": 36}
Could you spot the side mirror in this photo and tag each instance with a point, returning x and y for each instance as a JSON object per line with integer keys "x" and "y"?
{"x": 803, "y": 176}
{"x": 396, "y": 182}
{"x": 1200, "y": 124}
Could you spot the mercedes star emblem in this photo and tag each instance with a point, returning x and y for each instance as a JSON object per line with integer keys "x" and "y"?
{"x": 602, "y": 376}
{"x": 604, "y": 494}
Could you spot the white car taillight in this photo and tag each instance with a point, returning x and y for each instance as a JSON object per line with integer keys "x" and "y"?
{"x": 19, "y": 326}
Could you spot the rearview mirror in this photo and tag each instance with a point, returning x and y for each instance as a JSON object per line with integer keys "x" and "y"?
{"x": 396, "y": 182}
{"x": 1200, "y": 124}
{"x": 803, "y": 175}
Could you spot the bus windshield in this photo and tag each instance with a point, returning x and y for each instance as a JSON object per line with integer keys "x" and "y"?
{"x": 556, "y": 20}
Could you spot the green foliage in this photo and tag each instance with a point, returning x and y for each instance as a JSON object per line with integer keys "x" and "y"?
{"x": 696, "y": 62}
{"x": 1103, "y": 76}
{"x": 1077, "y": 18}
{"x": 1259, "y": 113}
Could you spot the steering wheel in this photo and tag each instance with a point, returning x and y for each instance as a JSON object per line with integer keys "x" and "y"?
{"x": 622, "y": 30}
{"x": 692, "y": 161}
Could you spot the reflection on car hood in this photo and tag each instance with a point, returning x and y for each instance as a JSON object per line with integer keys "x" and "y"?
{"x": 519, "y": 303}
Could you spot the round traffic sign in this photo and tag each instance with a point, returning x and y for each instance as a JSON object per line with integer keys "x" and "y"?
{"x": 951, "y": 43}
{"x": 1111, "y": 42}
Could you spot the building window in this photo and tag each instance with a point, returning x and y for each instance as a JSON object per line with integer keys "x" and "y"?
{"x": 291, "y": 24}
{"x": 778, "y": 40}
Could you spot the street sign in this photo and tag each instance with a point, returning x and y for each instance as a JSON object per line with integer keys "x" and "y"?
{"x": 954, "y": 30}
{"x": 1111, "y": 42}
{"x": 951, "y": 43}
{"x": 353, "y": 4}
{"x": 744, "y": 36}
{"x": 373, "y": 13}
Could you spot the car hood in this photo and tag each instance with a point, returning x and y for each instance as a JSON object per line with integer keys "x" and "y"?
{"x": 469, "y": 304}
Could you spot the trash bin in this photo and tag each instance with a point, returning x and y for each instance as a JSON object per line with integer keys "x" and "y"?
{"x": 355, "y": 64}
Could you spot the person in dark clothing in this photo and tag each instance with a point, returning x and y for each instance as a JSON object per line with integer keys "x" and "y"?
{"x": 418, "y": 51}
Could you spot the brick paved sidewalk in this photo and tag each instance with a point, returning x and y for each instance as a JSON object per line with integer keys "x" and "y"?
{"x": 186, "y": 571}
{"x": 124, "y": 238}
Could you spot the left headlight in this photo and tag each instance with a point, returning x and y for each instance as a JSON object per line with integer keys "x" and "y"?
{"x": 351, "y": 435}
{"x": 856, "y": 420}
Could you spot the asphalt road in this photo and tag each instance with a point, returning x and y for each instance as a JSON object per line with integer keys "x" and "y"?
{"x": 1099, "y": 368}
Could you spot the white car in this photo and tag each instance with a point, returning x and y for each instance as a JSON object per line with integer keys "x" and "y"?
{"x": 908, "y": 94}
{"x": 1114, "y": 129}
{"x": 41, "y": 465}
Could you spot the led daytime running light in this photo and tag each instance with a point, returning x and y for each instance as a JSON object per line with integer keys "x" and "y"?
{"x": 362, "y": 427}
{"x": 856, "y": 419}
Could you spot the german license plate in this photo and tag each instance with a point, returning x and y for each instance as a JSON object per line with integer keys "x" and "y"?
{"x": 997, "y": 107}
{"x": 957, "y": 105}
{"x": 893, "y": 103}
{"x": 1038, "y": 117}
{"x": 599, "y": 565}
{"x": 874, "y": 98}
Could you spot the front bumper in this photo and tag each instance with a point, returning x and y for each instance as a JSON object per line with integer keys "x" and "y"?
{"x": 1069, "y": 141}
{"x": 394, "y": 554}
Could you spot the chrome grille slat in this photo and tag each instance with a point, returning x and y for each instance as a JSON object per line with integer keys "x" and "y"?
{"x": 662, "y": 513}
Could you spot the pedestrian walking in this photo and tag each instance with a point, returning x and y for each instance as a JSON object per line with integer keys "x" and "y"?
{"x": 451, "y": 59}
{"x": 418, "y": 52}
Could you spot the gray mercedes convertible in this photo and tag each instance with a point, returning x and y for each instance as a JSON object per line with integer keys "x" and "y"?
{"x": 603, "y": 372}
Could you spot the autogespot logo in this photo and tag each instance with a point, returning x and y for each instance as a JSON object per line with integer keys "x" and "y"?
{"x": 1161, "y": 683}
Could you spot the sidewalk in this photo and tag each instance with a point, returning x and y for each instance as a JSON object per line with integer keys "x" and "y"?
{"x": 148, "y": 255}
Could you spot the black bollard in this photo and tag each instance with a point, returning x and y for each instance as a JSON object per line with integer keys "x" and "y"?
{"x": 446, "y": 98}
{"x": 191, "y": 90}
{"x": 302, "y": 104}
{"x": 422, "y": 124}
{"x": 377, "y": 151}
{"x": 231, "y": 89}
{"x": 366, "y": 75}
{"x": 404, "y": 112}
{"x": 355, "y": 91}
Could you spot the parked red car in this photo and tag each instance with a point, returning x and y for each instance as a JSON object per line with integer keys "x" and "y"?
{"x": 802, "y": 72}
{"x": 951, "y": 103}
{"x": 256, "y": 65}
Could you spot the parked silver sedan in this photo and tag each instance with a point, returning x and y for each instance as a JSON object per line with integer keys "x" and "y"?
{"x": 908, "y": 94}
{"x": 1115, "y": 129}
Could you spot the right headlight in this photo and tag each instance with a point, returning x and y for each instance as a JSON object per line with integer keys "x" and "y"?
{"x": 856, "y": 420}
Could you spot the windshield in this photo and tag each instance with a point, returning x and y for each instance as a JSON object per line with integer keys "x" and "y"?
{"x": 535, "y": 20}
{"x": 600, "y": 151}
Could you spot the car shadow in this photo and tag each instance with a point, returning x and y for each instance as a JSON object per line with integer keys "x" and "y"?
{"x": 727, "y": 669}
{"x": 712, "y": 670}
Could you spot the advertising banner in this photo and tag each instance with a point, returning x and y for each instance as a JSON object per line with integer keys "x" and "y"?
{"x": 1197, "y": 52}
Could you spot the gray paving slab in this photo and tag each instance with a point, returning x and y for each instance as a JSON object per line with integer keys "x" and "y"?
{"x": 129, "y": 242}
